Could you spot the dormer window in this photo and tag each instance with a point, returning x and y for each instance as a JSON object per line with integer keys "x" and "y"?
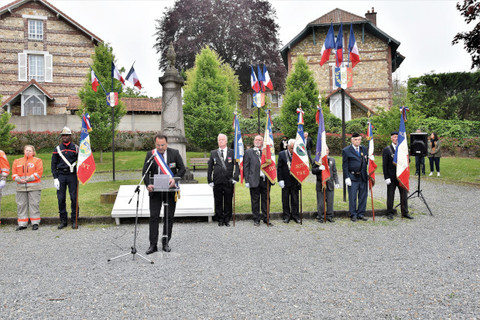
{"x": 35, "y": 29}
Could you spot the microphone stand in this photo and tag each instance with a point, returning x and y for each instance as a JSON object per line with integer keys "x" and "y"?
{"x": 133, "y": 250}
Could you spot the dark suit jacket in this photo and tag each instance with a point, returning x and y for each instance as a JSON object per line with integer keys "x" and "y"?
{"x": 283, "y": 170}
{"x": 221, "y": 174}
{"x": 309, "y": 143}
{"x": 251, "y": 168}
{"x": 333, "y": 173}
{"x": 389, "y": 169}
{"x": 352, "y": 162}
{"x": 174, "y": 161}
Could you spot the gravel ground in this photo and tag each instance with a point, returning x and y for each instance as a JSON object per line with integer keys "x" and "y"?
{"x": 426, "y": 268}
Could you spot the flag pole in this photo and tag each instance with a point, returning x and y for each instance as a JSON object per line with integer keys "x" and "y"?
{"x": 371, "y": 194}
{"x": 234, "y": 205}
{"x": 76, "y": 206}
{"x": 268, "y": 202}
{"x": 301, "y": 204}
{"x": 325, "y": 204}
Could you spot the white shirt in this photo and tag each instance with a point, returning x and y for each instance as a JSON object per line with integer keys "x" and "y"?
{"x": 224, "y": 153}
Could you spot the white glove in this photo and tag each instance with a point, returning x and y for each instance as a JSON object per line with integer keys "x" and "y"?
{"x": 56, "y": 184}
{"x": 348, "y": 182}
{"x": 281, "y": 183}
{"x": 388, "y": 181}
{"x": 247, "y": 185}
{"x": 337, "y": 186}
{"x": 2, "y": 184}
{"x": 234, "y": 181}
{"x": 322, "y": 167}
{"x": 211, "y": 184}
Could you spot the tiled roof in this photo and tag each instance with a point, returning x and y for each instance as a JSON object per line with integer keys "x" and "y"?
{"x": 147, "y": 105}
{"x": 337, "y": 16}
{"x": 25, "y": 87}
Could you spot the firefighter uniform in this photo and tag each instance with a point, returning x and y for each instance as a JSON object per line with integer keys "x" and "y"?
{"x": 4, "y": 171}
{"x": 64, "y": 159}
{"x": 28, "y": 194}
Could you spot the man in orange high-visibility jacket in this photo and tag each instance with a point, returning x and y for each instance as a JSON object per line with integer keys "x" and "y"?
{"x": 27, "y": 172}
{"x": 4, "y": 171}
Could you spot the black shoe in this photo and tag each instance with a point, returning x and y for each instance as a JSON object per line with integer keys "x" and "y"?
{"x": 20, "y": 228}
{"x": 320, "y": 220}
{"x": 354, "y": 219}
{"x": 220, "y": 223}
{"x": 62, "y": 225}
{"x": 296, "y": 220}
{"x": 166, "y": 247}
{"x": 227, "y": 224}
{"x": 268, "y": 223}
{"x": 35, "y": 227}
{"x": 407, "y": 216}
{"x": 330, "y": 220}
{"x": 256, "y": 223}
{"x": 153, "y": 248}
{"x": 74, "y": 225}
{"x": 286, "y": 220}
{"x": 362, "y": 218}
{"x": 390, "y": 216}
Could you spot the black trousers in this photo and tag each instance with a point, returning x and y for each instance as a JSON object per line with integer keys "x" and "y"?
{"x": 256, "y": 195}
{"x": 156, "y": 201}
{"x": 223, "y": 195}
{"x": 391, "y": 195}
{"x": 67, "y": 180}
{"x": 329, "y": 197}
{"x": 419, "y": 164}
{"x": 290, "y": 202}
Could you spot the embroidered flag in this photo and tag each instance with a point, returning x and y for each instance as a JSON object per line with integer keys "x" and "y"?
{"x": 328, "y": 45}
{"x": 95, "y": 83}
{"x": 300, "y": 163}
{"x": 254, "y": 81}
{"x": 116, "y": 74}
{"x": 268, "y": 152}
{"x": 321, "y": 157}
{"x": 401, "y": 156}
{"x": 339, "y": 47}
{"x": 133, "y": 78}
{"x": 354, "y": 56}
{"x": 238, "y": 147}
{"x": 258, "y": 99}
{"x": 372, "y": 166}
{"x": 85, "y": 163}
{"x": 112, "y": 99}
{"x": 267, "y": 81}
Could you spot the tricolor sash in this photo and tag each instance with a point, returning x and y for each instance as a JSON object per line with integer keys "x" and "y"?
{"x": 162, "y": 165}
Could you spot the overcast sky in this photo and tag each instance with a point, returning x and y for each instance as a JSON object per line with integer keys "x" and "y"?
{"x": 425, "y": 30}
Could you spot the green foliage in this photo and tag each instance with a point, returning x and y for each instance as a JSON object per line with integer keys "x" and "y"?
{"x": 250, "y": 125}
{"x": 301, "y": 88}
{"x": 133, "y": 93}
{"x": 211, "y": 92}
{"x": 6, "y": 139}
{"x": 447, "y": 96}
{"x": 95, "y": 102}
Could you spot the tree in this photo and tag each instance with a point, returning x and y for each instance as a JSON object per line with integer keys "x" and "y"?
{"x": 211, "y": 91}
{"x": 470, "y": 9}
{"x": 301, "y": 88}
{"x": 6, "y": 139}
{"x": 242, "y": 32}
{"x": 129, "y": 92}
{"x": 95, "y": 103}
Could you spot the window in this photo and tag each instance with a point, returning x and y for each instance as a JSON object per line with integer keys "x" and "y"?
{"x": 35, "y": 29}
{"x": 36, "y": 67}
{"x": 33, "y": 106}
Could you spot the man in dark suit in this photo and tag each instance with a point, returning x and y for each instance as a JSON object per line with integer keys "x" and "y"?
{"x": 331, "y": 184}
{"x": 222, "y": 174}
{"x": 390, "y": 175}
{"x": 354, "y": 164}
{"x": 308, "y": 146}
{"x": 290, "y": 186}
{"x": 168, "y": 161}
{"x": 256, "y": 180}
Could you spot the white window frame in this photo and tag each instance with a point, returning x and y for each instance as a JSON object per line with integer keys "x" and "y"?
{"x": 36, "y": 67}
{"x": 35, "y": 29}
{"x": 24, "y": 66}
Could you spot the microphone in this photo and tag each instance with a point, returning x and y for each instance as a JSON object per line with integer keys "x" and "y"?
{"x": 151, "y": 158}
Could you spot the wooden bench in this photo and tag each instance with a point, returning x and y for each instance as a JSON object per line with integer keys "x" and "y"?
{"x": 196, "y": 200}
{"x": 195, "y": 162}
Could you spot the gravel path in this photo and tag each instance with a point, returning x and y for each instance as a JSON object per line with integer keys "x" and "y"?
{"x": 426, "y": 268}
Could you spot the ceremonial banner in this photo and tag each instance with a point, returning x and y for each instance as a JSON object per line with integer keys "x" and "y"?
{"x": 112, "y": 99}
{"x": 343, "y": 77}
{"x": 238, "y": 145}
{"x": 401, "y": 155}
{"x": 372, "y": 166}
{"x": 300, "y": 163}
{"x": 86, "y": 162}
{"x": 321, "y": 157}
{"x": 268, "y": 152}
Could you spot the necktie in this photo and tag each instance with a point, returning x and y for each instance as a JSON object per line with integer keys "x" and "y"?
{"x": 358, "y": 150}
{"x": 221, "y": 152}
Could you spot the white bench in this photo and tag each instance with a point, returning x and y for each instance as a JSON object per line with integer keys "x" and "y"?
{"x": 196, "y": 200}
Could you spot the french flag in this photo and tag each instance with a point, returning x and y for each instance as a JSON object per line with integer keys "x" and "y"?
{"x": 133, "y": 78}
{"x": 372, "y": 166}
{"x": 353, "y": 49}
{"x": 116, "y": 74}
{"x": 339, "y": 47}
{"x": 321, "y": 157}
{"x": 261, "y": 78}
{"x": 401, "y": 157}
{"x": 328, "y": 45}
{"x": 95, "y": 82}
{"x": 254, "y": 81}
{"x": 267, "y": 81}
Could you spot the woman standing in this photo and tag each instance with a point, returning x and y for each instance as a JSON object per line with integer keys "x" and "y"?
{"x": 27, "y": 172}
{"x": 434, "y": 153}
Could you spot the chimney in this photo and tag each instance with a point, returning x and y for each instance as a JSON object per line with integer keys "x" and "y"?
{"x": 372, "y": 16}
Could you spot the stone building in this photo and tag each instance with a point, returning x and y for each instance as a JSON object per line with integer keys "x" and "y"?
{"x": 372, "y": 77}
{"x": 44, "y": 57}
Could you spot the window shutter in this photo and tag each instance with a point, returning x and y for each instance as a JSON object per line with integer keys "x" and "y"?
{"x": 48, "y": 68}
{"x": 22, "y": 67}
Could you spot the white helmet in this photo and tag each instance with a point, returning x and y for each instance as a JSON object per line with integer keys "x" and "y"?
{"x": 66, "y": 130}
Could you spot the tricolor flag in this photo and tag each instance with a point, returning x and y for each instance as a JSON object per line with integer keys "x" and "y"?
{"x": 261, "y": 78}
{"x": 300, "y": 163}
{"x": 254, "y": 81}
{"x": 238, "y": 145}
{"x": 86, "y": 162}
{"x": 404, "y": 111}
{"x": 372, "y": 166}
{"x": 354, "y": 56}
{"x": 321, "y": 157}
{"x": 339, "y": 47}
{"x": 328, "y": 45}
{"x": 268, "y": 152}
{"x": 401, "y": 156}
{"x": 95, "y": 82}
{"x": 112, "y": 99}
{"x": 116, "y": 74}
{"x": 133, "y": 78}
{"x": 267, "y": 81}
